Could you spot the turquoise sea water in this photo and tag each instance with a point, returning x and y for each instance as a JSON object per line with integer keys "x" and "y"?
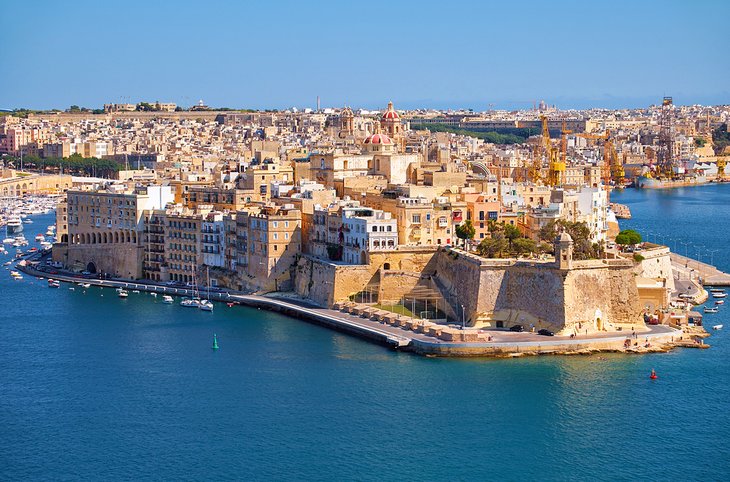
{"x": 96, "y": 387}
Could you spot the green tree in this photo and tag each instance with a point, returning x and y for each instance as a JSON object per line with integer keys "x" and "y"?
{"x": 628, "y": 237}
{"x": 524, "y": 246}
{"x": 494, "y": 247}
{"x": 465, "y": 231}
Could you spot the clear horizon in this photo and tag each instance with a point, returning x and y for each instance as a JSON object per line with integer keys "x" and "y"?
{"x": 419, "y": 55}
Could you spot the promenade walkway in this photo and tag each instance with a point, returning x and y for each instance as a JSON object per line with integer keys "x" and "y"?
{"x": 710, "y": 275}
{"x": 502, "y": 342}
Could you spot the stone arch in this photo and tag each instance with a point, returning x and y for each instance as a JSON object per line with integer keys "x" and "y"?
{"x": 91, "y": 267}
{"x": 363, "y": 257}
{"x": 116, "y": 237}
{"x": 134, "y": 237}
{"x": 64, "y": 238}
{"x": 126, "y": 234}
{"x": 104, "y": 237}
{"x": 598, "y": 316}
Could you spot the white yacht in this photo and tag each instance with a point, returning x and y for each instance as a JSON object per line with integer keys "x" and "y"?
{"x": 14, "y": 226}
{"x": 190, "y": 303}
{"x": 167, "y": 299}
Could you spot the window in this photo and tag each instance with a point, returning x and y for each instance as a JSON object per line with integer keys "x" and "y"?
{"x": 375, "y": 229}
{"x": 416, "y": 218}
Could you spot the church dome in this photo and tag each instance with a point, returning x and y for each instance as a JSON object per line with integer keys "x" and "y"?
{"x": 390, "y": 114}
{"x": 379, "y": 139}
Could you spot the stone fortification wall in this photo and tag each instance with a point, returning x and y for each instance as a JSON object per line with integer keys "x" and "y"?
{"x": 325, "y": 282}
{"x": 601, "y": 297}
{"x": 592, "y": 295}
{"x": 657, "y": 265}
{"x": 119, "y": 261}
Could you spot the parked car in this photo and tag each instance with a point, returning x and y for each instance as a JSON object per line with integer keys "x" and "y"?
{"x": 518, "y": 328}
{"x": 545, "y": 332}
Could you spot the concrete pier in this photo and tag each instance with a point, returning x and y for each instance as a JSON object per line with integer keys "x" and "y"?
{"x": 710, "y": 275}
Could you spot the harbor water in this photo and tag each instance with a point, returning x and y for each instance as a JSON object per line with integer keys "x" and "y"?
{"x": 102, "y": 388}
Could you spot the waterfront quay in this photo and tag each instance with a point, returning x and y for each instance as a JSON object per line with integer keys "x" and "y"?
{"x": 706, "y": 274}
{"x": 411, "y": 334}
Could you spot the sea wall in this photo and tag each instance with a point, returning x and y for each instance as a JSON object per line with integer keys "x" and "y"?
{"x": 590, "y": 295}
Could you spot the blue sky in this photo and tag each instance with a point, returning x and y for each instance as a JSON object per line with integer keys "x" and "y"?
{"x": 446, "y": 54}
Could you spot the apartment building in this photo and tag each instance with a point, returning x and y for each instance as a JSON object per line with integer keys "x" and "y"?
{"x": 268, "y": 241}
{"x": 105, "y": 230}
{"x": 183, "y": 247}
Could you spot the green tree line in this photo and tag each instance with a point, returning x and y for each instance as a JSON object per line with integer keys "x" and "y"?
{"x": 74, "y": 164}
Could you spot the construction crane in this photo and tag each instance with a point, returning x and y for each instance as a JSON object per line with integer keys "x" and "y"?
{"x": 556, "y": 166}
{"x": 721, "y": 163}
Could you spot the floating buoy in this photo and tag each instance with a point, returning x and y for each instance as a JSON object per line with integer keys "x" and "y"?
{"x": 653, "y": 375}
{"x": 215, "y": 341}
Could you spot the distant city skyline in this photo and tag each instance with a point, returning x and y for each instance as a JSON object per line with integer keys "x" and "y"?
{"x": 417, "y": 54}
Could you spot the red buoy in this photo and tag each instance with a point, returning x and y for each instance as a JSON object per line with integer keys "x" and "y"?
{"x": 653, "y": 375}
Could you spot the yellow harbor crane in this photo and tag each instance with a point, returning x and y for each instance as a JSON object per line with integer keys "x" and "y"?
{"x": 556, "y": 162}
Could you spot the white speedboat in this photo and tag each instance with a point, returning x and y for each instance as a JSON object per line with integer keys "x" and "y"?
{"x": 40, "y": 237}
{"x": 123, "y": 294}
{"x": 7, "y": 263}
{"x": 206, "y": 305}
{"x": 153, "y": 294}
{"x": 720, "y": 302}
{"x": 52, "y": 283}
{"x": 711, "y": 310}
{"x": 167, "y": 299}
{"x": 85, "y": 285}
{"x": 190, "y": 303}
{"x": 8, "y": 240}
{"x": 719, "y": 295}
{"x": 717, "y": 327}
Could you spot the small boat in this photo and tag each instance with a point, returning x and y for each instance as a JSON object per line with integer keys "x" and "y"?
{"x": 28, "y": 221}
{"x": 85, "y": 285}
{"x": 52, "y": 283}
{"x": 719, "y": 302}
{"x": 8, "y": 240}
{"x": 717, "y": 290}
{"x": 7, "y": 263}
{"x": 123, "y": 294}
{"x": 135, "y": 291}
{"x": 719, "y": 295}
{"x": 167, "y": 299}
{"x": 711, "y": 310}
{"x": 40, "y": 238}
{"x": 206, "y": 305}
{"x": 717, "y": 327}
{"x": 153, "y": 294}
{"x": 190, "y": 303}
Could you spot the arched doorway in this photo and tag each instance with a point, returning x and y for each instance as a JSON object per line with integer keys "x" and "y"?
{"x": 91, "y": 267}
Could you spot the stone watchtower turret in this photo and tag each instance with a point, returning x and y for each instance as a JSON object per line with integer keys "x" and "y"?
{"x": 564, "y": 251}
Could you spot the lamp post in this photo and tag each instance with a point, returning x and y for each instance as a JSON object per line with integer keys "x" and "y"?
{"x": 712, "y": 256}
{"x": 686, "y": 245}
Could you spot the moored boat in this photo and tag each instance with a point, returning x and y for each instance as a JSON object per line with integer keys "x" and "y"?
{"x": 719, "y": 295}
{"x": 167, "y": 299}
{"x": 711, "y": 310}
{"x": 52, "y": 283}
{"x": 190, "y": 303}
{"x": 123, "y": 294}
{"x": 206, "y": 305}
{"x": 717, "y": 327}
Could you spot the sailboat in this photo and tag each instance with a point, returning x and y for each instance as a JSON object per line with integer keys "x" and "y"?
{"x": 193, "y": 302}
{"x": 206, "y": 304}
